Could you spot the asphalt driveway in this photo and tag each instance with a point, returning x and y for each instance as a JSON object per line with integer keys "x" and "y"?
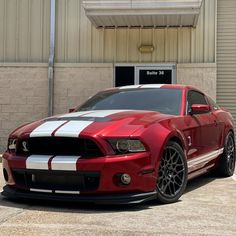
{"x": 207, "y": 208}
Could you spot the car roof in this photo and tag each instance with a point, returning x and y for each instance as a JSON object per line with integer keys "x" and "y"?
{"x": 150, "y": 86}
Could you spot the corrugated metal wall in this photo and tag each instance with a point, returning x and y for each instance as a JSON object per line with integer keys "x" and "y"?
{"x": 24, "y": 36}
{"x": 24, "y": 30}
{"x": 226, "y": 55}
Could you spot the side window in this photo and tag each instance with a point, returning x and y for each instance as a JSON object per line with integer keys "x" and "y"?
{"x": 195, "y": 97}
{"x": 213, "y": 104}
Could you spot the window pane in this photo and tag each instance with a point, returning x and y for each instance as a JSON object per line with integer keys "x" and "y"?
{"x": 196, "y": 98}
{"x": 167, "y": 101}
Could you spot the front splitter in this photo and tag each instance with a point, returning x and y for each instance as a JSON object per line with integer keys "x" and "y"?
{"x": 130, "y": 198}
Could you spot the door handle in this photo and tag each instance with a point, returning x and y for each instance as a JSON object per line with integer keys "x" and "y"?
{"x": 215, "y": 122}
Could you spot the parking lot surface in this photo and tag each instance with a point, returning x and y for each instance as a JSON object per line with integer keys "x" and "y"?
{"x": 208, "y": 207}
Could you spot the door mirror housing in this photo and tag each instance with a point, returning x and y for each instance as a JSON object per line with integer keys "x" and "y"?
{"x": 199, "y": 109}
{"x": 72, "y": 110}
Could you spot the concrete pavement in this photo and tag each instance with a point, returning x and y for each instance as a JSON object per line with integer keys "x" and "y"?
{"x": 208, "y": 207}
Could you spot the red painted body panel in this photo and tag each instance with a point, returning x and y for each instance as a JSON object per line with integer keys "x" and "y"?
{"x": 108, "y": 166}
{"x": 198, "y": 135}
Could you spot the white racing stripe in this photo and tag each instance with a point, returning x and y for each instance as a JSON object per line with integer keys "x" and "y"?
{"x": 38, "y": 162}
{"x": 75, "y": 114}
{"x": 142, "y": 86}
{"x": 41, "y": 162}
{"x": 46, "y": 129}
{"x": 72, "y": 129}
{"x": 152, "y": 86}
{"x": 130, "y": 87}
{"x": 64, "y": 163}
{"x": 204, "y": 158}
{"x": 104, "y": 113}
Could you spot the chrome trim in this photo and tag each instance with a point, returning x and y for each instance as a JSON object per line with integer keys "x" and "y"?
{"x": 204, "y": 158}
{"x": 40, "y": 190}
{"x": 67, "y": 192}
{"x": 189, "y": 141}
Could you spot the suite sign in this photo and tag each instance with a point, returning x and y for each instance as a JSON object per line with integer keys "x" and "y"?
{"x": 155, "y": 76}
{"x": 156, "y": 72}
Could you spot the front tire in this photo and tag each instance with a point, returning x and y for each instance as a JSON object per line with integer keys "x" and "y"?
{"x": 172, "y": 174}
{"x": 227, "y": 160}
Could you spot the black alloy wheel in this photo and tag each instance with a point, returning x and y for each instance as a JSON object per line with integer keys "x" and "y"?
{"x": 172, "y": 174}
{"x": 227, "y": 161}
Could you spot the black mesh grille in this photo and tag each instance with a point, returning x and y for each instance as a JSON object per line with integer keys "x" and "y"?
{"x": 56, "y": 180}
{"x": 60, "y": 146}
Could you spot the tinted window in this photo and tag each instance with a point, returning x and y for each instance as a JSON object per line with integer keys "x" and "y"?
{"x": 124, "y": 76}
{"x": 166, "y": 101}
{"x": 195, "y": 97}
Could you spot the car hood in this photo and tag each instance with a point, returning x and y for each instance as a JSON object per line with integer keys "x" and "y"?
{"x": 107, "y": 123}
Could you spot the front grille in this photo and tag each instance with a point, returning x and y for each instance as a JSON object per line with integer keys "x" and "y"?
{"x": 56, "y": 180}
{"x": 60, "y": 146}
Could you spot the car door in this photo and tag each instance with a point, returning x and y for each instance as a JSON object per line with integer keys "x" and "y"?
{"x": 205, "y": 134}
{"x": 219, "y": 126}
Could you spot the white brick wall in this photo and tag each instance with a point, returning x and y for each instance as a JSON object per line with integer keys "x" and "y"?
{"x": 24, "y": 89}
{"x": 202, "y": 76}
{"x": 75, "y": 84}
{"x": 18, "y": 86}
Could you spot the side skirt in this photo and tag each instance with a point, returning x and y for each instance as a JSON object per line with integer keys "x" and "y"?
{"x": 199, "y": 164}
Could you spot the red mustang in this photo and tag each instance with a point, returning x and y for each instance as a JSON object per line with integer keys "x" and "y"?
{"x": 124, "y": 145}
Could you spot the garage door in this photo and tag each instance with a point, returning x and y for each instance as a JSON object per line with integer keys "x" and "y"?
{"x": 226, "y": 55}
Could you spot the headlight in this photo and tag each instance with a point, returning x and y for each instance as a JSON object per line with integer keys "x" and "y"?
{"x": 127, "y": 145}
{"x": 12, "y": 144}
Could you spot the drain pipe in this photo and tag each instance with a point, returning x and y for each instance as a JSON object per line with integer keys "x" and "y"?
{"x": 51, "y": 58}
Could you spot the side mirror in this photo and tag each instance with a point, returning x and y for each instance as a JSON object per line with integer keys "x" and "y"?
{"x": 199, "y": 109}
{"x": 72, "y": 110}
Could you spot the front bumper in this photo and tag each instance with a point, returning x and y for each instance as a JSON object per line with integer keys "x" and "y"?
{"x": 126, "y": 198}
{"x": 138, "y": 166}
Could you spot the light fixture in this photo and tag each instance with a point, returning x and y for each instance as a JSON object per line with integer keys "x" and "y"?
{"x": 146, "y": 48}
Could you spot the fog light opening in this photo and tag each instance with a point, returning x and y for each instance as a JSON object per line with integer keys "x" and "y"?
{"x": 125, "y": 179}
{"x": 5, "y": 174}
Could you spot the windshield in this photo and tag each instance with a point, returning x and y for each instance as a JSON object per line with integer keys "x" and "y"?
{"x": 167, "y": 101}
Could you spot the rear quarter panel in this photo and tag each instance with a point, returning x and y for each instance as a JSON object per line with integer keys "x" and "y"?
{"x": 225, "y": 120}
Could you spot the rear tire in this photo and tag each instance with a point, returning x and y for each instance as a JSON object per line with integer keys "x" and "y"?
{"x": 226, "y": 166}
{"x": 172, "y": 174}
